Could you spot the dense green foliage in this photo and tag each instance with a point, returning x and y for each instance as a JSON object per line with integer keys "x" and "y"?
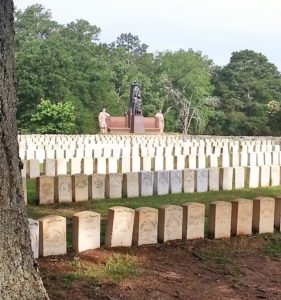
{"x": 67, "y": 63}
{"x": 53, "y": 118}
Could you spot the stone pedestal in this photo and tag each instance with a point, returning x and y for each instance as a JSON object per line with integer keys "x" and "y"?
{"x": 137, "y": 124}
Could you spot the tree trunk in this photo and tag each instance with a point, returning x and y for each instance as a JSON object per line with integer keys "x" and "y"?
{"x": 19, "y": 277}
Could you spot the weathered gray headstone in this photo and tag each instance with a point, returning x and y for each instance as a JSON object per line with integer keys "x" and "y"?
{"x": 170, "y": 223}
{"x": 193, "y": 220}
{"x": 176, "y": 181}
{"x": 219, "y": 219}
{"x": 161, "y": 182}
{"x": 63, "y": 188}
{"x": 97, "y": 186}
{"x": 45, "y": 189}
{"x": 201, "y": 180}
{"x": 86, "y": 231}
{"x": 113, "y": 186}
{"x": 214, "y": 179}
{"x": 119, "y": 228}
{"x": 146, "y": 183}
{"x": 80, "y": 189}
{"x": 131, "y": 185}
{"x": 145, "y": 226}
{"x": 52, "y": 235}
{"x": 241, "y": 216}
{"x": 263, "y": 214}
{"x": 188, "y": 180}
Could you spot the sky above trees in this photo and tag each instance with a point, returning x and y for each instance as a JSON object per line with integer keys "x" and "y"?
{"x": 216, "y": 27}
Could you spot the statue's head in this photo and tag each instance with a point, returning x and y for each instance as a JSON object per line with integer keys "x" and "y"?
{"x": 104, "y": 109}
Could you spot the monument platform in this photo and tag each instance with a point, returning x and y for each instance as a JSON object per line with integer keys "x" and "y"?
{"x": 133, "y": 124}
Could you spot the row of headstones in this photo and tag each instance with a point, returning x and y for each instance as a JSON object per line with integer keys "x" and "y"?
{"x": 52, "y": 167}
{"x": 81, "y": 187}
{"x": 127, "y": 227}
{"x": 117, "y": 151}
{"x": 167, "y": 137}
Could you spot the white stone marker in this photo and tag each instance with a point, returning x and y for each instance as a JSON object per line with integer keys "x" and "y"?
{"x": 214, "y": 179}
{"x": 136, "y": 164}
{"x": 175, "y": 181}
{"x": 85, "y": 231}
{"x": 252, "y": 159}
{"x": 193, "y": 220}
{"x": 188, "y": 181}
{"x": 61, "y": 166}
{"x": 241, "y": 216}
{"x": 125, "y": 163}
{"x": 113, "y": 186}
{"x": 243, "y": 159}
{"x": 131, "y": 185}
{"x": 238, "y": 177}
{"x": 63, "y": 188}
{"x": 100, "y": 164}
{"x": 119, "y": 228}
{"x": 191, "y": 161}
{"x": 97, "y": 186}
{"x": 168, "y": 162}
{"x": 146, "y": 163}
{"x": 213, "y": 161}
{"x": 52, "y": 235}
{"x": 275, "y": 175}
{"x": 263, "y": 214}
{"x": 201, "y": 161}
{"x": 226, "y": 179}
{"x": 158, "y": 163}
{"x": 75, "y": 166}
{"x": 45, "y": 189}
{"x": 145, "y": 226}
{"x": 275, "y": 158}
{"x": 201, "y": 180}
{"x": 33, "y": 168}
{"x": 161, "y": 183}
{"x": 87, "y": 166}
{"x": 264, "y": 176}
{"x": 225, "y": 161}
{"x": 234, "y": 159}
{"x": 170, "y": 223}
{"x": 252, "y": 176}
{"x": 111, "y": 165}
{"x": 219, "y": 220}
{"x": 49, "y": 167}
{"x": 146, "y": 183}
{"x": 34, "y": 236}
{"x": 180, "y": 162}
{"x": 80, "y": 189}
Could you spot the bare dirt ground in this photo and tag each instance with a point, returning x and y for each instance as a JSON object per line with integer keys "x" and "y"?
{"x": 236, "y": 268}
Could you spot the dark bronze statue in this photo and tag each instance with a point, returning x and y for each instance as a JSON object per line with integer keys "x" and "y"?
{"x": 135, "y": 104}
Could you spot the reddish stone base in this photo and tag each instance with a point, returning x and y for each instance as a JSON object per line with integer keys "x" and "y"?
{"x": 138, "y": 124}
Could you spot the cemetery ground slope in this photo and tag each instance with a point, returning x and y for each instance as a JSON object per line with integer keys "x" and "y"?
{"x": 236, "y": 268}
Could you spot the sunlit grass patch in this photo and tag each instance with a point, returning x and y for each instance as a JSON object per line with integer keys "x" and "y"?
{"x": 116, "y": 269}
